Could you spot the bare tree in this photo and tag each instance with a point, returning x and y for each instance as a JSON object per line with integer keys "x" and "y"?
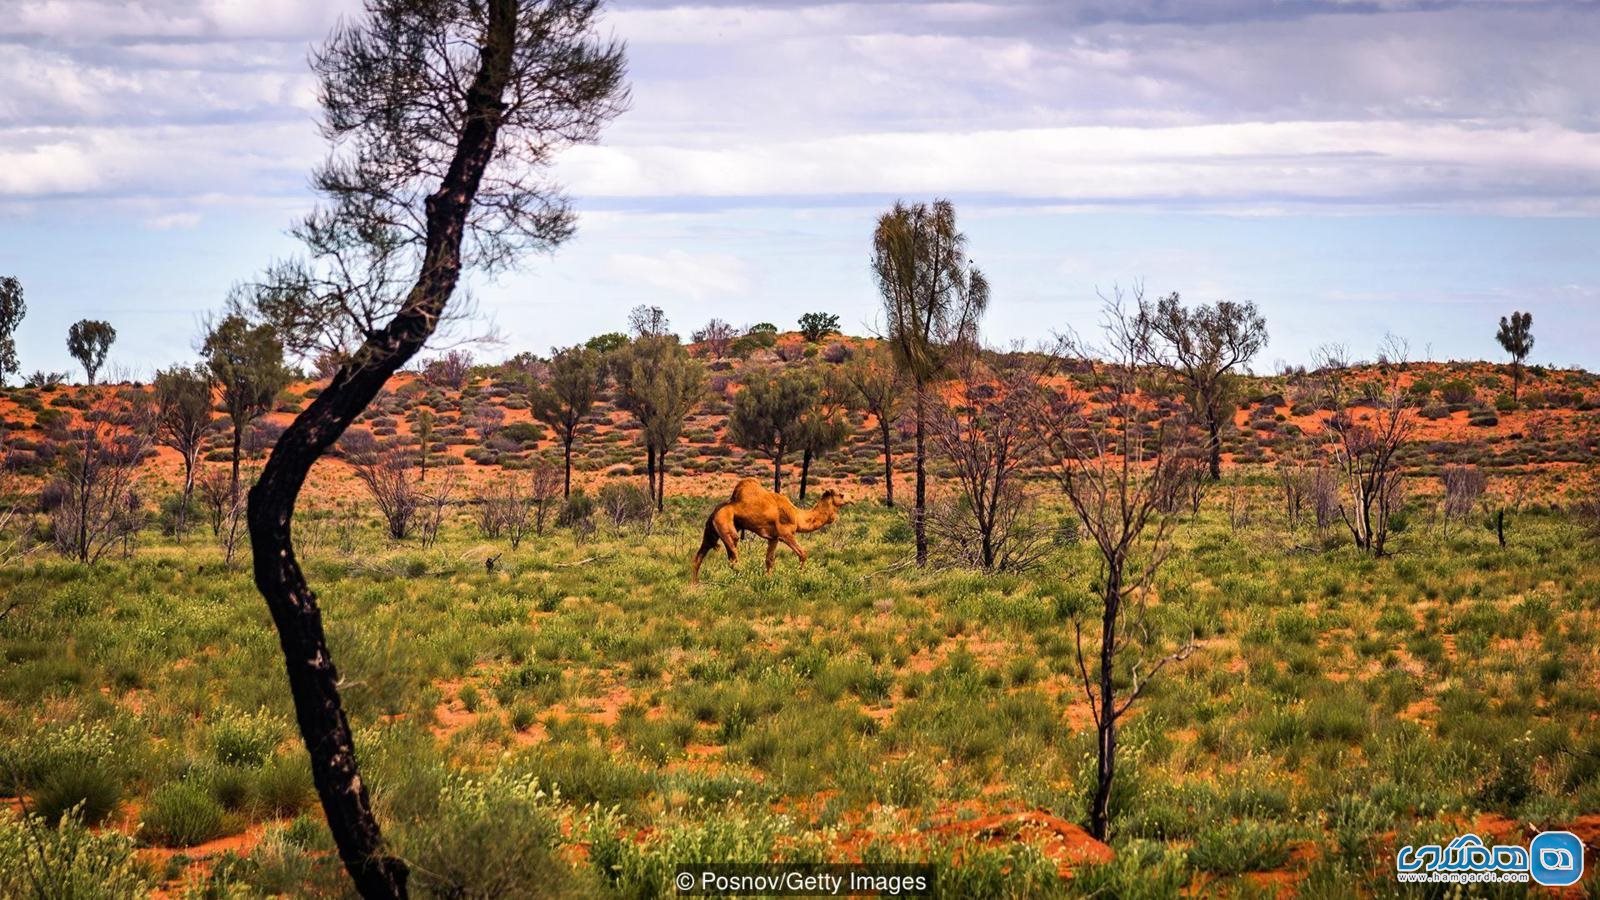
{"x": 880, "y": 392}
{"x": 1203, "y": 346}
{"x": 933, "y": 297}
{"x": 509, "y": 506}
{"x": 103, "y": 451}
{"x": 988, "y": 438}
{"x": 183, "y": 421}
{"x": 432, "y": 506}
{"x": 444, "y": 118}
{"x": 716, "y": 337}
{"x": 384, "y": 475}
{"x": 646, "y": 321}
{"x": 1118, "y": 471}
{"x": 1463, "y": 487}
{"x": 215, "y": 496}
{"x": 1365, "y": 449}
{"x": 450, "y": 370}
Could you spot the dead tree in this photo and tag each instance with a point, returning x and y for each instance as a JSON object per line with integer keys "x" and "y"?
{"x": 444, "y": 118}
{"x": 987, "y": 438}
{"x": 1119, "y": 472}
{"x": 103, "y": 451}
{"x": 1365, "y": 449}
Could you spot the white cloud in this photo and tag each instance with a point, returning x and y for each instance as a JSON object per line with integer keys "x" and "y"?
{"x": 693, "y": 276}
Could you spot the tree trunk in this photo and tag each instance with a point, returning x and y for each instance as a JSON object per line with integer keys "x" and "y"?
{"x": 1106, "y": 730}
{"x": 188, "y": 495}
{"x": 1214, "y": 438}
{"x": 566, "y": 462}
{"x": 650, "y": 468}
{"x": 919, "y": 514}
{"x": 238, "y": 445}
{"x": 313, "y": 679}
{"x": 777, "y": 470}
{"x": 661, "y": 482}
{"x": 888, "y": 464}
{"x": 805, "y": 472}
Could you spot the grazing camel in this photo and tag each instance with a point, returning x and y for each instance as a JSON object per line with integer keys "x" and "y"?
{"x": 754, "y": 508}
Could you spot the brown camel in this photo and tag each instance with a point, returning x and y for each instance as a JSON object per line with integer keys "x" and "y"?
{"x": 755, "y": 509}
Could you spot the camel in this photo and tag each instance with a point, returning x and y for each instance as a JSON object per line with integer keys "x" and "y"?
{"x": 755, "y": 509}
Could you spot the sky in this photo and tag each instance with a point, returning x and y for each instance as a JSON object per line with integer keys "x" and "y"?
{"x": 1416, "y": 167}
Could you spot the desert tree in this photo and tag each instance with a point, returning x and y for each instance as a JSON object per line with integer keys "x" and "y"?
{"x": 1463, "y": 488}
{"x": 184, "y": 419}
{"x": 822, "y": 427}
{"x": 433, "y": 506}
{"x": 1516, "y": 338}
{"x": 1119, "y": 472}
{"x": 1203, "y": 346}
{"x": 511, "y": 505}
{"x": 451, "y": 370}
{"x": 246, "y": 361}
{"x": 12, "y": 309}
{"x": 424, "y": 435}
{"x": 102, "y": 451}
{"x": 716, "y": 337}
{"x": 646, "y": 321}
{"x": 766, "y": 415}
{"x": 660, "y": 384}
{"x": 1366, "y": 438}
{"x": 444, "y": 118}
{"x": 814, "y": 326}
{"x": 576, "y": 377}
{"x": 879, "y": 391}
{"x": 89, "y": 340}
{"x": 933, "y": 297}
{"x": 987, "y": 437}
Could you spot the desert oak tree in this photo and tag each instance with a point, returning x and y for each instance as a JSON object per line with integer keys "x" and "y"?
{"x": 443, "y": 116}
{"x": 932, "y": 298}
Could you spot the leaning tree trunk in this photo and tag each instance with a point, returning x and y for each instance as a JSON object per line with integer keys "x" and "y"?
{"x": 313, "y": 679}
{"x": 805, "y": 472}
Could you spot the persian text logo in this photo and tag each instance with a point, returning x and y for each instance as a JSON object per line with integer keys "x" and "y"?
{"x": 1553, "y": 858}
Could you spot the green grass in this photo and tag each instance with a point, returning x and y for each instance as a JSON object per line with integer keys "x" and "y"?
{"x": 853, "y": 703}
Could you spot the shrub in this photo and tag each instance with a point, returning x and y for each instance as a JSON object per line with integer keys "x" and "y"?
{"x": 1457, "y": 390}
{"x": 490, "y": 837}
{"x": 577, "y": 511}
{"x": 1240, "y": 847}
{"x": 93, "y": 789}
{"x": 181, "y": 814}
{"x": 68, "y": 860}
{"x": 625, "y": 502}
{"x": 245, "y": 739}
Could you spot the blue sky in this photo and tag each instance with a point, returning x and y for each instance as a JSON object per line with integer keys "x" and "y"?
{"x": 1354, "y": 168}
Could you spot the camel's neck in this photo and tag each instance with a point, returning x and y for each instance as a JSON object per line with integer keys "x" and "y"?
{"x": 817, "y": 516}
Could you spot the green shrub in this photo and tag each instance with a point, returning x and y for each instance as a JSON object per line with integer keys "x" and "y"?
{"x": 1247, "y": 846}
{"x": 68, "y": 861}
{"x": 245, "y": 739}
{"x": 182, "y": 814}
{"x": 92, "y": 788}
{"x": 284, "y": 786}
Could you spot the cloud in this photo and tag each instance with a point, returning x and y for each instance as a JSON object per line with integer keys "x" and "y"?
{"x": 693, "y": 276}
{"x": 169, "y": 221}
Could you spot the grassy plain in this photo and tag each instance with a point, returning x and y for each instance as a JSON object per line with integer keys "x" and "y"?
{"x": 581, "y": 720}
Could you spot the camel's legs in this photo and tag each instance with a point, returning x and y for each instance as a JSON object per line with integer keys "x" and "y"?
{"x": 792, "y": 544}
{"x": 772, "y": 551}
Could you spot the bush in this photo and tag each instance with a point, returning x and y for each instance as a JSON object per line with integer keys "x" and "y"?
{"x": 181, "y": 814}
{"x": 68, "y": 860}
{"x": 284, "y": 787}
{"x": 240, "y": 739}
{"x": 1457, "y": 390}
{"x": 578, "y": 510}
{"x": 625, "y": 502}
{"x": 93, "y": 789}
{"x": 491, "y": 837}
{"x": 1240, "y": 847}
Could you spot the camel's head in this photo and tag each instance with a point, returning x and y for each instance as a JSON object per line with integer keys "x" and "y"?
{"x": 837, "y": 498}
